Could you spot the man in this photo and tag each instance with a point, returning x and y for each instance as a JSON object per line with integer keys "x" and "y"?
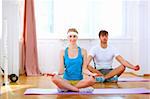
{"x": 102, "y": 56}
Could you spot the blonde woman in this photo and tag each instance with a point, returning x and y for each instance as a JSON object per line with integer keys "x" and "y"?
{"x": 72, "y": 66}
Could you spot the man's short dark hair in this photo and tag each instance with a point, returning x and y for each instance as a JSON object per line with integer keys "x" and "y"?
{"x": 102, "y": 32}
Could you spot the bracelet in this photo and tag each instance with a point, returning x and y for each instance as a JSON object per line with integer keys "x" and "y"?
{"x": 60, "y": 73}
{"x": 89, "y": 75}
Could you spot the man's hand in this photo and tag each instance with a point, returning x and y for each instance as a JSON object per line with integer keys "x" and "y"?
{"x": 95, "y": 75}
{"x": 137, "y": 67}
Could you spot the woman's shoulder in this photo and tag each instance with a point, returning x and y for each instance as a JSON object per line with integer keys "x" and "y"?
{"x": 83, "y": 50}
{"x": 62, "y": 51}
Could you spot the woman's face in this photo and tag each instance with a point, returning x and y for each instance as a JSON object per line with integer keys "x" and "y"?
{"x": 72, "y": 38}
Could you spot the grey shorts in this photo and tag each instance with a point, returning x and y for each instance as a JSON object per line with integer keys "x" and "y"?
{"x": 105, "y": 71}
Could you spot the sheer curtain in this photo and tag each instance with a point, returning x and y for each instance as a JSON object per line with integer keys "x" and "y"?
{"x": 29, "y": 44}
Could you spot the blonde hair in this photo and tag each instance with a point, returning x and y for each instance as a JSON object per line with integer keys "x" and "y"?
{"x": 72, "y": 30}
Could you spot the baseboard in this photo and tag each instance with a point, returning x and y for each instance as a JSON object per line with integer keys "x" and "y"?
{"x": 135, "y": 74}
{"x": 146, "y": 74}
{"x": 131, "y": 73}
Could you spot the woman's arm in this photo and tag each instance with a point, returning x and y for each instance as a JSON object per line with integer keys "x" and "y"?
{"x": 61, "y": 63}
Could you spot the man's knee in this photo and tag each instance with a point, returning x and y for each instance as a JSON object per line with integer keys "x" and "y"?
{"x": 90, "y": 68}
{"x": 122, "y": 68}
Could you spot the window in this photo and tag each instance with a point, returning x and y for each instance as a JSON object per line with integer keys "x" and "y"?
{"x": 44, "y": 17}
{"x": 54, "y": 17}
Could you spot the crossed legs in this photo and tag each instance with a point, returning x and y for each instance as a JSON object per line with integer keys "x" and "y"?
{"x": 64, "y": 84}
{"x": 117, "y": 71}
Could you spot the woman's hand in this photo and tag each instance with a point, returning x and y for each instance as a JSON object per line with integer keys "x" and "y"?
{"x": 51, "y": 74}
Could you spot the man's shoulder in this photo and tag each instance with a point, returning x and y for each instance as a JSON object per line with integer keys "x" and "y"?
{"x": 111, "y": 46}
{"x": 94, "y": 48}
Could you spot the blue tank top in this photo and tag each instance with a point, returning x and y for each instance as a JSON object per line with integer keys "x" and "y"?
{"x": 73, "y": 66}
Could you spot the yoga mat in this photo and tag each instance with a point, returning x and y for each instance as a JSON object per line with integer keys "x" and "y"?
{"x": 40, "y": 91}
{"x": 133, "y": 79}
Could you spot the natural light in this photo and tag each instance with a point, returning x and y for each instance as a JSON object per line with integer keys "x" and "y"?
{"x": 54, "y": 17}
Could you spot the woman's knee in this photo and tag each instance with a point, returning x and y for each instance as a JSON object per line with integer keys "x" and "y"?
{"x": 55, "y": 79}
{"x": 90, "y": 81}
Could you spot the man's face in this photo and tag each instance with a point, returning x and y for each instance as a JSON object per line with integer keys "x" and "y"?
{"x": 104, "y": 38}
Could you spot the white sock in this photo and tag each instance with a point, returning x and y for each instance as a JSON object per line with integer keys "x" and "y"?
{"x": 86, "y": 89}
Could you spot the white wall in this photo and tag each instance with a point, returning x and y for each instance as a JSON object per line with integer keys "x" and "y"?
{"x": 0, "y": 32}
{"x": 143, "y": 36}
{"x": 148, "y": 37}
{"x": 135, "y": 47}
{"x": 48, "y": 51}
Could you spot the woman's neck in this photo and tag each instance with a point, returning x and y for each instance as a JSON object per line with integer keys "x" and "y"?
{"x": 73, "y": 46}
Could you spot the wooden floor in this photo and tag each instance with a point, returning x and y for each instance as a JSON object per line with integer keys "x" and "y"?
{"x": 16, "y": 90}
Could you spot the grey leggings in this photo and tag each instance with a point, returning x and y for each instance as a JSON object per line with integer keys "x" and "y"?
{"x": 105, "y": 71}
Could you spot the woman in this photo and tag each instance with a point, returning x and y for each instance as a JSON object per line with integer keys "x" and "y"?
{"x": 72, "y": 62}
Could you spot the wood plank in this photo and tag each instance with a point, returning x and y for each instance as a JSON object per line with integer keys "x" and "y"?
{"x": 18, "y": 89}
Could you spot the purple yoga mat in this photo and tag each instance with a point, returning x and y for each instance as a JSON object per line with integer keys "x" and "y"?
{"x": 39, "y": 91}
{"x": 133, "y": 79}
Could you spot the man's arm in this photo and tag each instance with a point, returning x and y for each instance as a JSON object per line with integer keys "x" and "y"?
{"x": 126, "y": 63}
{"x": 90, "y": 68}
{"x": 85, "y": 69}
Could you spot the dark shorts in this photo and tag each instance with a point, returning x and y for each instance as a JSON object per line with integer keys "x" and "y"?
{"x": 105, "y": 71}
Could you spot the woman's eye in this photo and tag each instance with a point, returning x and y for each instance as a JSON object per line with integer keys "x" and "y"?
{"x": 74, "y": 36}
